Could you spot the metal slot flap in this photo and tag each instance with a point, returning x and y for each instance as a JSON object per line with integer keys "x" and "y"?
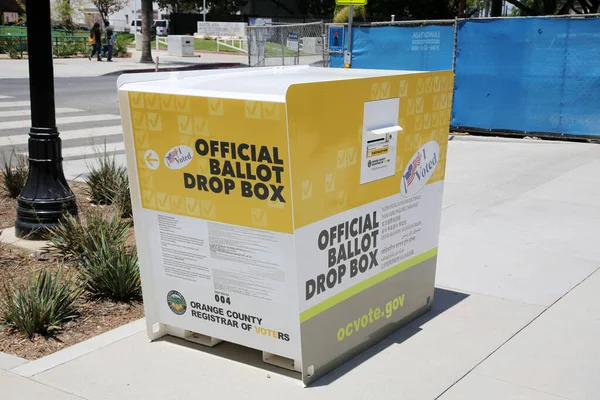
{"x": 388, "y": 129}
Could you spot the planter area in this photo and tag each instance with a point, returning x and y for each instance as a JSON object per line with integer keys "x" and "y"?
{"x": 84, "y": 282}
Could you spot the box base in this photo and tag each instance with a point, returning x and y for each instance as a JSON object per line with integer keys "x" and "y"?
{"x": 210, "y": 341}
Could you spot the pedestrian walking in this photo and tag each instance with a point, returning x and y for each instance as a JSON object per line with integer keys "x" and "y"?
{"x": 95, "y": 41}
{"x": 109, "y": 40}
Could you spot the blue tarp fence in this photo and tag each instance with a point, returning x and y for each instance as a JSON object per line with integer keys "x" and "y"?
{"x": 532, "y": 75}
{"x": 536, "y": 76}
{"x": 423, "y": 48}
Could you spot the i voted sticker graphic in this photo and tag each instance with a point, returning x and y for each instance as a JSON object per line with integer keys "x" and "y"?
{"x": 178, "y": 157}
{"x": 420, "y": 169}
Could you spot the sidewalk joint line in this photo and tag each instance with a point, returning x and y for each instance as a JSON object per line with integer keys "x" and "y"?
{"x": 515, "y": 334}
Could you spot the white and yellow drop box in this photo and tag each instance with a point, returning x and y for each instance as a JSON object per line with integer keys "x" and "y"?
{"x": 293, "y": 210}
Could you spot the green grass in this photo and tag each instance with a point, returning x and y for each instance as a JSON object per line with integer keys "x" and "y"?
{"x": 22, "y": 30}
{"x": 274, "y": 50}
{"x": 127, "y": 38}
{"x": 202, "y": 44}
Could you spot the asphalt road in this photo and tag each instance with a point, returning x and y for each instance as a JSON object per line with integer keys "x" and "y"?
{"x": 94, "y": 94}
{"x": 87, "y": 113}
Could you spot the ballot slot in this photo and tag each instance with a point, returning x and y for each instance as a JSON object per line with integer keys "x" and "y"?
{"x": 379, "y": 139}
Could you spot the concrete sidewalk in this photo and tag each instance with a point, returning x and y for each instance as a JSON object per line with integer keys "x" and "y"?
{"x": 82, "y": 67}
{"x": 515, "y": 314}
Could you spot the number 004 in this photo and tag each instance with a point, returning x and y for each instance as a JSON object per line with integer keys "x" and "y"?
{"x": 222, "y": 299}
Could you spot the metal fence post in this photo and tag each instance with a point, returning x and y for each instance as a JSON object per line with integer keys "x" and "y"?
{"x": 348, "y": 55}
{"x": 282, "y": 49}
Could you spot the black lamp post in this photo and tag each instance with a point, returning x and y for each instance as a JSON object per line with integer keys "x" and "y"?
{"x": 46, "y": 195}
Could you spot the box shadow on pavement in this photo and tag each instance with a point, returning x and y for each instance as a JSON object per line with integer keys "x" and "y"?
{"x": 233, "y": 352}
{"x": 444, "y": 299}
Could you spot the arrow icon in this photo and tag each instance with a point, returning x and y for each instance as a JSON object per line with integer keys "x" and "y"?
{"x": 151, "y": 159}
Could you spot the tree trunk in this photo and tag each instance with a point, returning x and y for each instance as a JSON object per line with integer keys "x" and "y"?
{"x": 147, "y": 16}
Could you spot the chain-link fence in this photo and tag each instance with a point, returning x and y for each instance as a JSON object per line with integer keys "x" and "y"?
{"x": 294, "y": 44}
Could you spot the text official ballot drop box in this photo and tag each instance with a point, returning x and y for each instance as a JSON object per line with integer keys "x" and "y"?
{"x": 294, "y": 210}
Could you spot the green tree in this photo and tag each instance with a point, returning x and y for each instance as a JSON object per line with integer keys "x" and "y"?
{"x": 216, "y": 8}
{"x": 23, "y": 15}
{"x": 108, "y": 7}
{"x": 342, "y": 14}
{"x": 64, "y": 11}
{"x": 554, "y": 7}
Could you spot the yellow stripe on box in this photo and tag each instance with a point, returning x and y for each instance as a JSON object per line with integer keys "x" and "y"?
{"x": 364, "y": 285}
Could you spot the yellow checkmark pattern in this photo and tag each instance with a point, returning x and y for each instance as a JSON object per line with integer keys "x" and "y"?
{"x": 215, "y": 107}
{"x": 321, "y": 151}
{"x": 411, "y": 106}
{"x": 342, "y": 158}
{"x": 154, "y": 121}
{"x": 192, "y": 207}
{"x": 426, "y": 121}
{"x": 380, "y": 90}
{"x": 152, "y": 101}
{"x": 161, "y": 122}
{"x": 201, "y": 126}
{"x": 325, "y": 133}
{"x": 259, "y": 218}
{"x": 436, "y": 102}
{"x": 185, "y": 124}
{"x": 418, "y": 123}
{"x": 428, "y": 85}
{"x": 419, "y": 105}
{"x": 306, "y": 189}
{"x": 403, "y": 88}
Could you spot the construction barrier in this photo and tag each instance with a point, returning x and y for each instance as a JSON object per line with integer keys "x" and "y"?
{"x": 539, "y": 76}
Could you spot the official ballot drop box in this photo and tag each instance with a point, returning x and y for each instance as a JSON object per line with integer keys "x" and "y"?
{"x": 294, "y": 210}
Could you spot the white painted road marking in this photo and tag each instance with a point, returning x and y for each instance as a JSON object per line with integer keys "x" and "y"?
{"x": 60, "y": 121}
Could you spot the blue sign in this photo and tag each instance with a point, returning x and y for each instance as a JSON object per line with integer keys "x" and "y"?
{"x": 336, "y": 38}
{"x": 293, "y": 41}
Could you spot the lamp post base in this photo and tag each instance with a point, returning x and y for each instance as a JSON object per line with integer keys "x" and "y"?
{"x": 46, "y": 196}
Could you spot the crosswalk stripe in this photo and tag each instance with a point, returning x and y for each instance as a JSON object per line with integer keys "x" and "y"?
{"x": 7, "y": 104}
{"x": 24, "y": 113}
{"x": 78, "y": 170}
{"x": 66, "y": 135}
{"x": 92, "y": 150}
{"x": 6, "y": 97}
{"x": 60, "y": 121}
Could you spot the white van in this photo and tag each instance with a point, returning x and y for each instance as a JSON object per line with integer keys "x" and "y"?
{"x": 162, "y": 27}
{"x": 136, "y": 25}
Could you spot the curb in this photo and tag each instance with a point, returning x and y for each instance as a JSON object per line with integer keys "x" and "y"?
{"x": 8, "y": 361}
{"x": 500, "y": 139}
{"x": 80, "y": 349}
{"x": 191, "y": 67}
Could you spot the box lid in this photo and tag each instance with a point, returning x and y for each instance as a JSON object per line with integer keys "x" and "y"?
{"x": 264, "y": 84}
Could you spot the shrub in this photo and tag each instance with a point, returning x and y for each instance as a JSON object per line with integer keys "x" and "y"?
{"x": 74, "y": 238}
{"x": 111, "y": 271}
{"x": 13, "y": 46}
{"x": 123, "y": 200}
{"x": 120, "y": 47}
{"x": 106, "y": 180}
{"x": 67, "y": 47}
{"x": 14, "y": 177}
{"x": 40, "y": 304}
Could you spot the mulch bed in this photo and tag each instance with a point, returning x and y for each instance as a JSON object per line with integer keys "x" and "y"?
{"x": 93, "y": 316}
